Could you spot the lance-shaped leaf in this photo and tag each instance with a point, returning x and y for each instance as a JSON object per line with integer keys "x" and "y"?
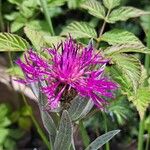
{"x": 95, "y": 8}
{"x": 101, "y": 140}
{"x": 65, "y": 133}
{"x": 36, "y": 37}
{"x": 141, "y": 100}
{"x": 110, "y": 4}
{"x": 130, "y": 66}
{"x": 79, "y": 106}
{"x": 79, "y": 30}
{"x": 124, "y": 13}
{"x": 49, "y": 124}
{"x": 12, "y": 42}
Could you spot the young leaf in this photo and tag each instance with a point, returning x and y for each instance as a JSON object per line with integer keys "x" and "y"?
{"x": 12, "y": 42}
{"x": 110, "y": 4}
{"x": 77, "y": 107}
{"x": 141, "y": 100}
{"x": 64, "y": 136}
{"x": 124, "y": 13}
{"x": 36, "y": 37}
{"x": 79, "y": 30}
{"x": 95, "y": 8}
{"x": 101, "y": 140}
{"x": 130, "y": 66}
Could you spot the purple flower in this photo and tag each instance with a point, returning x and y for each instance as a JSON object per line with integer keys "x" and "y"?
{"x": 68, "y": 69}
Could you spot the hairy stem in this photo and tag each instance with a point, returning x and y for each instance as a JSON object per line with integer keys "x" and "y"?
{"x": 46, "y": 13}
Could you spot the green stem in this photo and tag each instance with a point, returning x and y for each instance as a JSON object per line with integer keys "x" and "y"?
{"x": 39, "y": 130}
{"x": 85, "y": 137}
{"x": 46, "y": 13}
{"x": 141, "y": 125}
{"x": 1, "y": 18}
{"x": 140, "y": 135}
{"x": 148, "y": 140}
{"x": 106, "y": 129}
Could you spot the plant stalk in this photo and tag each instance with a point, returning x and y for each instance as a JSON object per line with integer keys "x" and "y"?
{"x": 46, "y": 13}
{"x": 106, "y": 129}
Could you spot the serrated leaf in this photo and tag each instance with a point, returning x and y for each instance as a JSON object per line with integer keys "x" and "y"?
{"x": 110, "y": 4}
{"x": 95, "y": 8}
{"x": 36, "y": 38}
{"x": 53, "y": 40}
{"x": 77, "y": 107}
{"x": 12, "y": 42}
{"x": 79, "y": 30}
{"x": 124, "y": 13}
{"x": 101, "y": 140}
{"x": 118, "y": 36}
{"x": 141, "y": 100}
{"x": 118, "y": 75}
{"x": 124, "y": 48}
{"x": 64, "y": 136}
{"x": 130, "y": 66}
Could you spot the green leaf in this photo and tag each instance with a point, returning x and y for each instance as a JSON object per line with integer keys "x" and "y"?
{"x": 118, "y": 75}
{"x": 36, "y": 37}
{"x": 130, "y": 66}
{"x": 78, "y": 107}
{"x": 15, "y": 71}
{"x": 123, "y": 41}
{"x": 110, "y": 4}
{"x": 79, "y": 30}
{"x": 53, "y": 40}
{"x": 124, "y": 48}
{"x": 4, "y": 133}
{"x": 141, "y": 100}
{"x": 119, "y": 36}
{"x": 101, "y": 140}
{"x": 73, "y": 4}
{"x": 95, "y": 8}
{"x": 124, "y": 13}
{"x": 12, "y": 42}
{"x": 64, "y": 136}
{"x": 49, "y": 124}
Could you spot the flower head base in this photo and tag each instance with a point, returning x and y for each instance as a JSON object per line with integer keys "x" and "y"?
{"x": 74, "y": 70}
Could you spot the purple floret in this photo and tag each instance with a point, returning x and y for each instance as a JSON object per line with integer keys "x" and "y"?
{"x": 69, "y": 66}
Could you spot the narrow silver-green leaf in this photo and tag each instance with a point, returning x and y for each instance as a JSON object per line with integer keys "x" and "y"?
{"x": 77, "y": 107}
{"x": 101, "y": 140}
{"x": 48, "y": 124}
{"x": 124, "y": 13}
{"x": 79, "y": 30}
{"x": 12, "y": 42}
{"x": 110, "y": 4}
{"x": 64, "y": 136}
{"x": 95, "y": 8}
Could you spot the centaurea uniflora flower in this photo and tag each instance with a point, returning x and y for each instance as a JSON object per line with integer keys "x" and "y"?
{"x": 69, "y": 70}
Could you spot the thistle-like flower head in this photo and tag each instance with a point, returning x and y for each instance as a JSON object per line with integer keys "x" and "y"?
{"x": 69, "y": 70}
